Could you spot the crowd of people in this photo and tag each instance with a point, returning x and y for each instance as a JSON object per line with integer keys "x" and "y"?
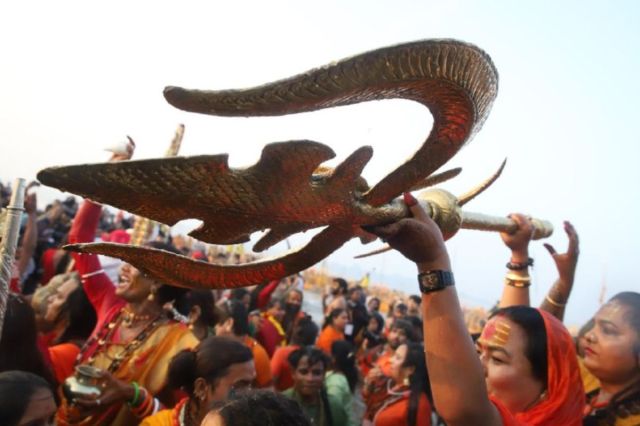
{"x": 149, "y": 353}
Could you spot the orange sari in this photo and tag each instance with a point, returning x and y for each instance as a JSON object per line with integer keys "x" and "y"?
{"x": 565, "y": 398}
{"x": 327, "y": 337}
{"x": 63, "y": 358}
{"x": 147, "y": 365}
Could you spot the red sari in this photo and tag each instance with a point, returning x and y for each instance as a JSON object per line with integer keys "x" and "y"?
{"x": 565, "y": 398}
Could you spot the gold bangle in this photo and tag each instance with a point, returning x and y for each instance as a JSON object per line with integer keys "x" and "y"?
{"x": 554, "y": 303}
{"x": 519, "y": 283}
{"x": 520, "y": 278}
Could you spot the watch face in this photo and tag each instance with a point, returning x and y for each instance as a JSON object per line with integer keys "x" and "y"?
{"x": 431, "y": 280}
{"x": 435, "y": 280}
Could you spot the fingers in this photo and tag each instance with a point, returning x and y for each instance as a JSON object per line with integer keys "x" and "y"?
{"x": 87, "y": 403}
{"x": 552, "y": 251}
{"x": 383, "y": 231}
{"x": 573, "y": 237}
{"x": 414, "y": 207}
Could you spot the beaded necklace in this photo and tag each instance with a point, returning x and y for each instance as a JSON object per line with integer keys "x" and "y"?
{"x": 105, "y": 336}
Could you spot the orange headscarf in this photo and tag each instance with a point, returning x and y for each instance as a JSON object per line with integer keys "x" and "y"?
{"x": 565, "y": 398}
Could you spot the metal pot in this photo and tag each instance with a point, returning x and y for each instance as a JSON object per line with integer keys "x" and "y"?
{"x": 84, "y": 383}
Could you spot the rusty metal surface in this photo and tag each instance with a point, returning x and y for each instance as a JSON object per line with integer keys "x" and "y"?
{"x": 284, "y": 192}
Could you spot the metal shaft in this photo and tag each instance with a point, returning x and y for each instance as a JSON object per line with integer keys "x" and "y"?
{"x": 9, "y": 241}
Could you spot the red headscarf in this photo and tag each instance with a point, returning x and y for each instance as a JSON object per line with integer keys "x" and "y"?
{"x": 564, "y": 402}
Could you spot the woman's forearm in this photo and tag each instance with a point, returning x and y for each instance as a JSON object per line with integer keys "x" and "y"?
{"x": 456, "y": 375}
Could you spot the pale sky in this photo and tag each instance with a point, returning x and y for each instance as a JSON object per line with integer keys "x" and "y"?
{"x": 76, "y": 77}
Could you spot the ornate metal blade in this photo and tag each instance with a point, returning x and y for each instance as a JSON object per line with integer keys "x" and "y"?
{"x": 436, "y": 179}
{"x": 455, "y": 80}
{"x": 183, "y": 271}
{"x": 470, "y": 195}
{"x": 279, "y": 192}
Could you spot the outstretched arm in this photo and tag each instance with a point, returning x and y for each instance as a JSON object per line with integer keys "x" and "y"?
{"x": 517, "y": 280}
{"x": 456, "y": 375}
{"x": 566, "y": 263}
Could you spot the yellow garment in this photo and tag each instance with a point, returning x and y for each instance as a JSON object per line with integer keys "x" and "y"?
{"x": 161, "y": 418}
{"x": 629, "y": 421}
{"x": 147, "y": 365}
{"x": 589, "y": 381}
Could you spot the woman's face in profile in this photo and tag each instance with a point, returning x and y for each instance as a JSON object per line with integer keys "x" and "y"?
{"x": 508, "y": 372}
{"x": 611, "y": 349}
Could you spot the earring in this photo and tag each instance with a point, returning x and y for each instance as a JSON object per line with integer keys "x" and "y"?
{"x": 152, "y": 296}
{"x": 406, "y": 381}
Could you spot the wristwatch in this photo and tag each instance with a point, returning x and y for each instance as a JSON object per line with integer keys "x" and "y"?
{"x": 437, "y": 280}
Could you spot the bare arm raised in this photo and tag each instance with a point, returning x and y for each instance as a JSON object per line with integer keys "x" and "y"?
{"x": 517, "y": 281}
{"x": 566, "y": 263}
{"x": 456, "y": 375}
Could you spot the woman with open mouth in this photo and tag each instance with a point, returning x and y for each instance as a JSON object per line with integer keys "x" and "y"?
{"x": 134, "y": 339}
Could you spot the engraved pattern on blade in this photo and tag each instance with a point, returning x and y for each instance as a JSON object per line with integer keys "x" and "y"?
{"x": 455, "y": 80}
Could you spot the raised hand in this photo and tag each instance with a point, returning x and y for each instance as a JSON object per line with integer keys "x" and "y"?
{"x": 566, "y": 262}
{"x": 518, "y": 241}
{"x": 418, "y": 238}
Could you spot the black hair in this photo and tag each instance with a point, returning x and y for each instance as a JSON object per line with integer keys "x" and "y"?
{"x": 166, "y": 293}
{"x": 354, "y": 289}
{"x": 262, "y": 408}
{"x": 18, "y": 342}
{"x": 531, "y": 322}
{"x": 81, "y": 315}
{"x": 342, "y": 285}
{"x": 406, "y": 327}
{"x": 335, "y": 313}
{"x": 210, "y": 360}
{"x": 401, "y": 306}
{"x": 201, "y": 298}
{"x": 418, "y": 380}
{"x": 305, "y": 332}
{"x": 416, "y": 323}
{"x": 379, "y": 319}
{"x": 344, "y": 361}
{"x": 235, "y": 310}
{"x": 314, "y": 356}
{"x": 239, "y": 293}
{"x": 16, "y": 390}
{"x": 417, "y": 299}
